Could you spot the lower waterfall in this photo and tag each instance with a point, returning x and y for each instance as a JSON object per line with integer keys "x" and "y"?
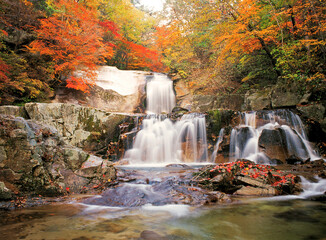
{"x": 162, "y": 141}
{"x": 264, "y": 137}
{"x": 281, "y": 127}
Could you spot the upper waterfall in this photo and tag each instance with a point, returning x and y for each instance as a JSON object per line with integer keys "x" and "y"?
{"x": 122, "y": 81}
{"x": 160, "y": 94}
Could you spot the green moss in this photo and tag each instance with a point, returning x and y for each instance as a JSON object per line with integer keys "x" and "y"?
{"x": 215, "y": 120}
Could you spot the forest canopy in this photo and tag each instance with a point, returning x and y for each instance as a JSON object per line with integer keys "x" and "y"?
{"x": 235, "y": 45}
{"x": 215, "y": 46}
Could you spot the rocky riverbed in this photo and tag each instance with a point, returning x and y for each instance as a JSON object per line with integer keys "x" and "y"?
{"x": 51, "y": 151}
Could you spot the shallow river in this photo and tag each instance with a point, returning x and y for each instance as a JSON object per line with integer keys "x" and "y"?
{"x": 244, "y": 219}
{"x": 296, "y": 219}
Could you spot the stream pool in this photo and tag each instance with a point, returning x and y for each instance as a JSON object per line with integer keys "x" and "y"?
{"x": 247, "y": 219}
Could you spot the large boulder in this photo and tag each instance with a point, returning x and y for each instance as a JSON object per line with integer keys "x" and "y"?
{"x": 204, "y": 103}
{"x": 273, "y": 143}
{"x": 107, "y": 100}
{"x": 258, "y": 100}
{"x": 34, "y": 160}
{"x": 87, "y": 128}
{"x": 114, "y": 90}
{"x": 283, "y": 97}
{"x": 5, "y": 193}
{"x": 183, "y": 95}
{"x": 17, "y": 111}
{"x": 315, "y": 112}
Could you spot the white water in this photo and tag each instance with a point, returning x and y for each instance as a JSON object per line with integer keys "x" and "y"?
{"x": 177, "y": 210}
{"x": 160, "y": 95}
{"x": 244, "y": 138}
{"x": 310, "y": 189}
{"x": 122, "y": 81}
{"x": 155, "y": 143}
{"x": 162, "y": 141}
{"x": 217, "y": 145}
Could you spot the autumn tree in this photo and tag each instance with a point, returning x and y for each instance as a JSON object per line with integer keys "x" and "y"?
{"x": 72, "y": 38}
{"x": 26, "y": 77}
{"x": 232, "y": 45}
{"x": 132, "y": 36}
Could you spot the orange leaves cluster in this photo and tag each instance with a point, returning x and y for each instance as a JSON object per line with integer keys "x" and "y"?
{"x": 4, "y": 71}
{"x": 138, "y": 56}
{"x": 73, "y": 39}
{"x": 144, "y": 57}
{"x": 243, "y": 32}
{"x": 264, "y": 172}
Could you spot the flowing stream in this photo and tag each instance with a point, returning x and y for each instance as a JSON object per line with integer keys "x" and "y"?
{"x": 139, "y": 209}
{"x": 287, "y": 218}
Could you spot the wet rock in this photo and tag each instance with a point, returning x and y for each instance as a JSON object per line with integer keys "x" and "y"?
{"x": 74, "y": 157}
{"x": 246, "y": 180}
{"x": 312, "y": 111}
{"x": 127, "y": 195}
{"x": 273, "y": 143}
{"x": 36, "y": 161}
{"x": 294, "y": 160}
{"x": 255, "y": 191}
{"x": 283, "y": 97}
{"x": 170, "y": 190}
{"x": 151, "y": 235}
{"x": 276, "y": 162}
{"x": 184, "y": 166}
{"x": 17, "y": 111}
{"x": 318, "y": 163}
{"x": 179, "y": 110}
{"x": 107, "y": 99}
{"x": 203, "y": 103}
{"x": 232, "y": 177}
{"x": 5, "y": 193}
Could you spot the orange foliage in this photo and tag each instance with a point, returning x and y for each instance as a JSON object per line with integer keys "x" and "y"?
{"x": 4, "y": 71}
{"x": 73, "y": 39}
{"x": 244, "y": 33}
{"x": 138, "y": 56}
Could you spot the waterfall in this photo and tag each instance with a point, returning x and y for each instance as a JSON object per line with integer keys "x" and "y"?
{"x": 244, "y": 142}
{"x": 122, "y": 81}
{"x": 217, "y": 145}
{"x": 160, "y": 95}
{"x": 162, "y": 141}
{"x": 155, "y": 142}
{"x": 192, "y": 137}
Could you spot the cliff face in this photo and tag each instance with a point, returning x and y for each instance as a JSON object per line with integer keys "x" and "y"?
{"x": 309, "y": 105}
{"x": 46, "y": 148}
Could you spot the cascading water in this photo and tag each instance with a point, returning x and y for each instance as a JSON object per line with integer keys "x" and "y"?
{"x": 121, "y": 81}
{"x": 161, "y": 140}
{"x": 191, "y": 131}
{"x": 160, "y": 95}
{"x": 217, "y": 145}
{"x": 155, "y": 142}
{"x": 246, "y": 138}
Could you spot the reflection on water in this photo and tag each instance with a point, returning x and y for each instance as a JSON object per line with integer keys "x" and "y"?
{"x": 297, "y": 219}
